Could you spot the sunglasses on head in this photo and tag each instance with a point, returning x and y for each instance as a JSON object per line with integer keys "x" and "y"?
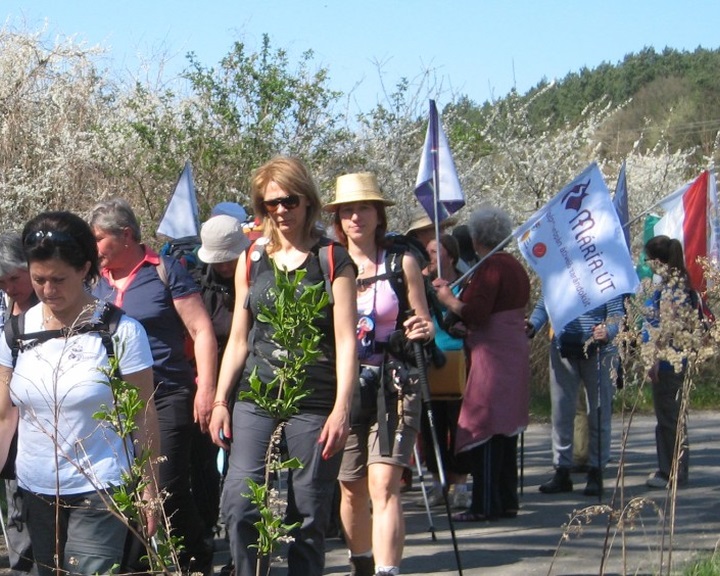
{"x": 287, "y": 202}
{"x": 51, "y": 236}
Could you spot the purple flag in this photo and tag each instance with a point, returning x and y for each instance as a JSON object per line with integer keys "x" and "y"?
{"x": 437, "y": 186}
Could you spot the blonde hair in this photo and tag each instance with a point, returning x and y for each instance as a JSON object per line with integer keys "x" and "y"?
{"x": 293, "y": 177}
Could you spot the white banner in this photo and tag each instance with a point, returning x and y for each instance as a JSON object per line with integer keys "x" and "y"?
{"x": 575, "y": 243}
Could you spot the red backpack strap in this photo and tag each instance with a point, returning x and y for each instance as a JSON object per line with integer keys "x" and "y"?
{"x": 326, "y": 258}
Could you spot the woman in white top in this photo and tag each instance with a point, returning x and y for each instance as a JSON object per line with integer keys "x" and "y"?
{"x": 68, "y": 461}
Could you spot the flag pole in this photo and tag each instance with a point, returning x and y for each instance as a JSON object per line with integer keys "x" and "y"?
{"x": 475, "y": 266}
{"x": 435, "y": 155}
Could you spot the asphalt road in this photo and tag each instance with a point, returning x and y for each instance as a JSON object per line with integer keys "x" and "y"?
{"x": 637, "y": 540}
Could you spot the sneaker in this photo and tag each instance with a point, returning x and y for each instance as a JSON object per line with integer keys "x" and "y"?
{"x": 461, "y": 500}
{"x": 436, "y": 498}
{"x": 657, "y": 480}
{"x": 560, "y": 482}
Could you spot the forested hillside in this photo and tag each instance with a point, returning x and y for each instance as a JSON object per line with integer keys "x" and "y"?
{"x": 668, "y": 94}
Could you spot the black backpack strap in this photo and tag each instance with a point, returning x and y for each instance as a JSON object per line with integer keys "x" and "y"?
{"x": 254, "y": 254}
{"x": 394, "y": 267}
{"x": 14, "y": 326}
{"x": 106, "y": 327}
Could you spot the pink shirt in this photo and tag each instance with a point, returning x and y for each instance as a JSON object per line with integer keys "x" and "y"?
{"x": 379, "y": 302}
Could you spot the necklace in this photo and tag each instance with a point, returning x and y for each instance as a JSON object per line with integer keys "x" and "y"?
{"x": 363, "y": 266}
{"x": 47, "y": 315}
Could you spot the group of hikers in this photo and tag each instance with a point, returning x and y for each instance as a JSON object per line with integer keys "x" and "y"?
{"x": 87, "y": 301}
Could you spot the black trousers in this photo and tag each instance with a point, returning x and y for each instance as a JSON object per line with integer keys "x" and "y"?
{"x": 175, "y": 418}
{"x": 495, "y": 477}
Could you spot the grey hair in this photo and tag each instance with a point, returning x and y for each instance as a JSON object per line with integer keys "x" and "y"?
{"x": 113, "y": 216}
{"x": 489, "y": 226}
{"x": 12, "y": 255}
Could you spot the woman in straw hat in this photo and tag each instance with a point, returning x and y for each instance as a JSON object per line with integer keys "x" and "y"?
{"x": 284, "y": 193}
{"x": 372, "y": 467}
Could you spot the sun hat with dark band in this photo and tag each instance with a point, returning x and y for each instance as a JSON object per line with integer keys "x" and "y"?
{"x": 357, "y": 187}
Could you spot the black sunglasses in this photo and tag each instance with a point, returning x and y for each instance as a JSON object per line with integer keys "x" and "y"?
{"x": 288, "y": 202}
{"x": 52, "y": 236}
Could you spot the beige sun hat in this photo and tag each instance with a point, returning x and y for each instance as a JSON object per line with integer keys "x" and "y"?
{"x": 223, "y": 239}
{"x": 419, "y": 220}
{"x": 357, "y": 187}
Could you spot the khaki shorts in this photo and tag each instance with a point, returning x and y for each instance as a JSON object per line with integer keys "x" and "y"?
{"x": 363, "y": 444}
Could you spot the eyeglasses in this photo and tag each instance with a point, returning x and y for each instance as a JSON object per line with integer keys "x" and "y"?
{"x": 288, "y": 202}
{"x": 52, "y": 236}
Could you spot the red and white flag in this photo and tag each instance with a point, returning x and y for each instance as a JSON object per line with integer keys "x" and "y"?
{"x": 686, "y": 219}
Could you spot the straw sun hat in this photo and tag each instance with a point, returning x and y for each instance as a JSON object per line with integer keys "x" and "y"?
{"x": 419, "y": 220}
{"x": 357, "y": 187}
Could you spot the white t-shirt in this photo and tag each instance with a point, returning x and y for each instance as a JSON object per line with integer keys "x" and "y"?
{"x": 58, "y": 386}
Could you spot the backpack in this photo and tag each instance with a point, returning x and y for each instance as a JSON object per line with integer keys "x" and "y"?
{"x": 399, "y": 246}
{"x": 399, "y": 346}
{"x": 18, "y": 341}
{"x": 184, "y": 250}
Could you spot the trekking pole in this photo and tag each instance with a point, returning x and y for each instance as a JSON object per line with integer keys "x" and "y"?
{"x": 421, "y": 478}
{"x": 522, "y": 463}
{"x": 425, "y": 391}
{"x": 2, "y": 523}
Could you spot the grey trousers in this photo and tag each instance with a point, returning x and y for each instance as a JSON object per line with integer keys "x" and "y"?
{"x": 310, "y": 489}
{"x": 667, "y": 395}
{"x": 567, "y": 375}
{"x": 19, "y": 547}
{"x": 90, "y": 537}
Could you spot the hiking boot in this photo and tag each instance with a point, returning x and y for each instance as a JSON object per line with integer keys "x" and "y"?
{"x": 362, "y": 566}
{"x": 594, "y": 485}
{"x": 560, "y": 482}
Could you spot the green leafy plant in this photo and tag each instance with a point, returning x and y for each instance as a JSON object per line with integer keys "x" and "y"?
{"x": 128, "y": 498}
{"x": 296, "y": 307}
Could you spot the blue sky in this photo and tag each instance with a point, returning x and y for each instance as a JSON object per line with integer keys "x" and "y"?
{"x": 481, "y": 48}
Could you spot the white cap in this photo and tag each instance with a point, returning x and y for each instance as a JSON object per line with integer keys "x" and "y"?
{"x": 223, "y": 240}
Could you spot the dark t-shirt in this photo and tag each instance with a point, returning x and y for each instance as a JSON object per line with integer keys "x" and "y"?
{"x": 218, "y": 295}
{"x": 150, "y": 302}
{"x": 265, "y": 353}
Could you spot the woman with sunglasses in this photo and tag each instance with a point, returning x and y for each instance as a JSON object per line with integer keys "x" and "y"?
{"x": 160, "y": 293}
{"x": 68, "y": 461}
{"x": 284, "y": 194}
